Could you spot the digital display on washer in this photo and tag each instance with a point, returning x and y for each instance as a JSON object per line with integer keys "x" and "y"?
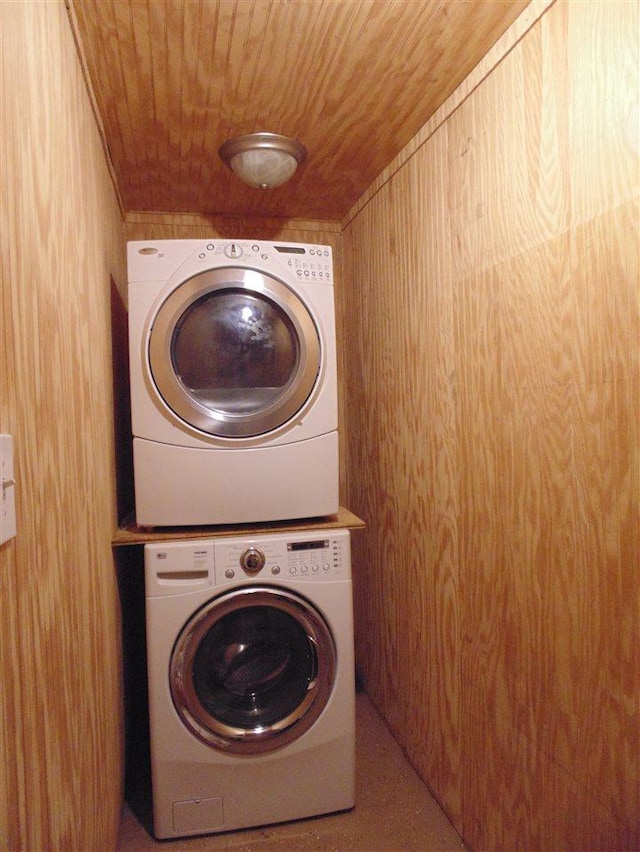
{"x": 290, "y": 249}
{"x": 308, "y": 545}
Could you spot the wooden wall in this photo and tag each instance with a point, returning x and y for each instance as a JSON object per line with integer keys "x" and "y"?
{"x": 492, "y": 388}
{"x": 488, "y": 306}
{"x": 62, "y": 241}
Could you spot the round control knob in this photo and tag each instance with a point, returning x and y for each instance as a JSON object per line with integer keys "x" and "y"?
{"x": 252, "y": 560}
{"x": 233, "y": 250}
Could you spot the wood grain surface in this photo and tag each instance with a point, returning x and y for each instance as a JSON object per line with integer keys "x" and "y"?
{"x": 488, "y": 317}
{"x": 492, "y": 392}
{"x": 354, "y": 80}
{"x": 62, "y": 239}
{"x": 132, "y": 534}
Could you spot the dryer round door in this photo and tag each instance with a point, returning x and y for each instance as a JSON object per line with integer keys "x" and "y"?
{"x": 234, "y": 352}
{"x": 252, "y": 670}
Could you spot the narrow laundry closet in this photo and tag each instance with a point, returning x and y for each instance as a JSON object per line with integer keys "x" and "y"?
{"x": 477, "y": 181}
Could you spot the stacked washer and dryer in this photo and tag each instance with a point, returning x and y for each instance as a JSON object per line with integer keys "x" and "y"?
{"x": 249, "y": 637}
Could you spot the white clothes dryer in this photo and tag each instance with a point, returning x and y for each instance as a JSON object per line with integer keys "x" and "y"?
{"x": 233, "y": 381}
{"x": 251, "y": 680}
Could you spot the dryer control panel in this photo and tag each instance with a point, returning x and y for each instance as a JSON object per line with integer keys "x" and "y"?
{"x": 313, "y": 263}
{"x": 160, "y": 260}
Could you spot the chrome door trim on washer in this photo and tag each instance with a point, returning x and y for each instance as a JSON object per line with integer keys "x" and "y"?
{"x": 281, "y": 689}
{"x": 281, "y": 402}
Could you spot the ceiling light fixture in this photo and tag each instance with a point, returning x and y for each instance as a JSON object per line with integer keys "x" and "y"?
{"x": 263, "y": 160}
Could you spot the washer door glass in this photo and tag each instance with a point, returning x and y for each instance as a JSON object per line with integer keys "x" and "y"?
{"x": 234, "y": 352}
{"x": 253, "y": 670}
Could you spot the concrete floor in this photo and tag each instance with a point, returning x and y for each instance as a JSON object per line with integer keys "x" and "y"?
{"x": 394, "y": 811}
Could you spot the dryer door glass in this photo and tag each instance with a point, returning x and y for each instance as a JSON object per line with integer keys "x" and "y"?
{"x": 234, "y": 353}
{"x": 253, "y": 670}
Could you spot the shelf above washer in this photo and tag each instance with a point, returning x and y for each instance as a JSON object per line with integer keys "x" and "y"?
{"x": 130, "y": 533}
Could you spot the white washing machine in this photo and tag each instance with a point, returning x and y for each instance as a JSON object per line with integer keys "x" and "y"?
{"x": 233, "y": 381}
{"x": 251, "y": 680}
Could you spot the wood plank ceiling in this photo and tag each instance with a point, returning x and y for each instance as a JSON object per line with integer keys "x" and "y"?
{"x": 353, "y": 80}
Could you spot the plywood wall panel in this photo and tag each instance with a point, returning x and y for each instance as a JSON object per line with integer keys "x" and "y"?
{"x": 175, "y": 226}
{"x": 493, "y": 452}
{"x": 402, "y": 404}
{"x": 62, "y": 241}
{"x": 545, "y": 359}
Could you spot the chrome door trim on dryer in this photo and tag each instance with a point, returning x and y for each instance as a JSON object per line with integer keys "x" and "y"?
{"x": 265, "y": 322}
{"x": 252, "y": 670}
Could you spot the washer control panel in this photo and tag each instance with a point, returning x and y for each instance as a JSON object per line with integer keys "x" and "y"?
{"x": 299, "y": 557}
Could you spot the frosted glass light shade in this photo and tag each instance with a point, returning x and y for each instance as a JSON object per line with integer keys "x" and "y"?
{"x": 263, "y": 160}
{"x": 263, "y": 168}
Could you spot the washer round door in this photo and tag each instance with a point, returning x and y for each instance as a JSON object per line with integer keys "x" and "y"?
{"x": 234, "y": 352}
{"x": 252, "y": 670}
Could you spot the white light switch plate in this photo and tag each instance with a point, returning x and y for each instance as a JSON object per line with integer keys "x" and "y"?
{"x": 8, "y": 514}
